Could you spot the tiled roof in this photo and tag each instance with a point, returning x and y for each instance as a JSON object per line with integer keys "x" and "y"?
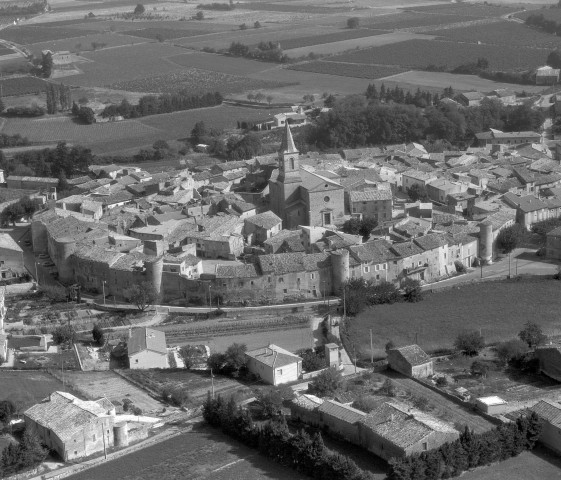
{"x": 342, "y": 412}
{"x": 293, "y": 262}
{"x": 65, "y": 415}
{"x": 237, "y": 271}
{"x": 431, "y": 241}
{"x": 19, "y": 178}
{"x": 413, "y": 354}
{"x": 307, "y": 401}
{"x": 377, "y": 251}
{"x": 273, "y": 355}
{"x": 406, "y": 249}
{"x": 144, "y": 338}
{"x": 370, "y": 195}
{"x": 265, "y": 220}
{"x": 549, "y": 411}
{"x": 404, "y": 426}
{"x": 500, "y": 218}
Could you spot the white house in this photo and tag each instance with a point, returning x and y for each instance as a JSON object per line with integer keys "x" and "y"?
{"x": 274, "y": 365}
{"x": 147, "y": 348}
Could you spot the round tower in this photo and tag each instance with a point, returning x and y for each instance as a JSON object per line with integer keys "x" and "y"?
{"x": 39, "y": 237}
{"x": 64, "y": 247}
{"x": 486, "y": 242}
{"x": 153, "y": 272}
{"x": 121, "y": 434}
{"x": 340, "y": 269}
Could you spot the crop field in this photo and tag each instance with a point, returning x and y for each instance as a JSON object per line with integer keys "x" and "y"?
{"x": 155, "y": 33}
{"x": 27, "y": 387}
{"x": 411, "y": 20}
{"x": 465, "y": 9}
{"x": 26, "y": 35}
{"x": 22, "y": 86}
{"x": 421, "y": 53}
{"x": 85, "y": 43}
{"x": 349, "y": 70}
{"x": 203, "y": 453}
{"x": 224, "y": 64}
{"x": 292, "y": 8}
{"x": 499, "y": 310}
{"x": 94, "y": 385}
{"x": 194, "y": 81}
{"x": 501, "y": 33}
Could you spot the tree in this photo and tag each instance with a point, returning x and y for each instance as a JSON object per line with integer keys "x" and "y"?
{"x": 389, "y": 346}
{"x": 270, "y": 99}
{"x": 355, "y": 226}
{"x": 32, "y": 452}
{"x": 418, "y": 193}
{"x": 235, "y": 357}
{"x": 216, "y": 362}
{"x": 469, "y": 342}
{"x": 460, "y": 267}
{"x": 412, "y": 290}
{"x": 7, "y": 409}
{"x": 63, "y": 184}
{"x": 511, "y": 350}
{"x": 270, "y": 401}
{"x": 98, "y": 335}
{"x": 63, "y": 334}
{"x": 479, "y": 368}
{"x": 12, "y": 213}
{"x": 329, "y": 101}
{"x": 353, "y": 22}
{"x": 259, "y": 97}
{"x": 160, "y": 145}
{"x": 200, "y": 15}
{"x": 199, "y": 131}
{"x": 388, "y": 388}
{"x": 509, "y": 238}
{"x": 554, "y": 59}
{"x": 47, "y": 64}
{"x": 311, "y": 361}
{"x": 326, "y": 383}
{"x": 532, "y": 334}
{"x": 243, "y": 26}
{"x": 142, "y": 295}
{"x": 190, "y": 354}
{"x": 257, "y": 25}
{"x": 139, "y": 9}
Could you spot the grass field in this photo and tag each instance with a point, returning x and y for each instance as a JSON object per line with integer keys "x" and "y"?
{"x": 22, "y": 86}
{"x": 27, "y": 387}
{"x": 194, "y": 81}
{"x": 349, "y": 70}
{"x": 84, "y": 44}
{"x": 421, "y": 53}
{"x": 412, "y": 19}
{"x": 499, "y": 309}
{"x": 220, "y": 63}
{"x": 28, "y": 35}
{"x": 154, "y": 33}
{"x": 204, "y": 453}
{"x": 501, "y": 33}
{"x": 94, "y": 385}
{"x": 465, "y": 9}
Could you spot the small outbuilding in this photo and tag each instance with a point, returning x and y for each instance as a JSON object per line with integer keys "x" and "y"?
{"x": 411, "y": 361}
{"x": 492, "y": 405}
{"x": 274, "y": 365}
{"x": 550, "y": 413}
{"x": 147, "y": 349}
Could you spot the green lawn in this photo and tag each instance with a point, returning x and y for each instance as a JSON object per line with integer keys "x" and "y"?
{"x": 28, "y": 388}
{"x": 499, "y": 309}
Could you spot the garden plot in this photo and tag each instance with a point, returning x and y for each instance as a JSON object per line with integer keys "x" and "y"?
{"x": 349, "y": 70}
{"x": 220, "y": 63}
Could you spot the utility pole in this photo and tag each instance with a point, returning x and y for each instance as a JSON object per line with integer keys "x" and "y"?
{"x": 209, "y": 298}
{"x": 516, "y": 266}
{"x": 371, "y": 348}
{"x": 344, "y": 302}
{"x": 212, "y": 382}
{"x": 36, "y": 274}
{"x": 509, "y": 274}
{"x": 103, "y": 288}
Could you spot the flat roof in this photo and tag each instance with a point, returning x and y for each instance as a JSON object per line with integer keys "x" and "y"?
{"x": 492, "y": 400}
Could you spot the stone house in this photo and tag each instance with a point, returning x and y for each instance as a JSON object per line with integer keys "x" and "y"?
{"x": 547, "y": 76}
{"x": 396, "y": 430}
{"x": 274, "y": 365}
{"x": 409, "y": 178}
{"x": 340, "y": 420}
{"x": 260, "y": 227}
{"x": 31, "y": 183}
{"x": 372, "y": 203}
{"x": 413, "y": 261}
{"x": 497, "y": 137}
{"x": 147, "y": 349}
{"x": 374, "y": 261}
{"x": 72, "y": 427}
{"x": 550, "y": 413}
{"x": 411, "y": 361}
{"x": 304, "y": 408}
{"x": 470, "y": 99}
{"x": 438, "y": 190}
{"x": 11, "y": 258}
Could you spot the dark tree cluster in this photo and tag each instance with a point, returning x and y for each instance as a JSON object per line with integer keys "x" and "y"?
{"x": 231, "y": 362}
{"x": 357, "y": 226}
{"x": 165, "y": 103}
{"x": 83, "y": 114}
{"x": 299, "y": 451}
{"x": 13, "y": 140}
{"x": 33, "y": 110}
{"x": 58, "y": 98}
{"x": 266, "y": 51}
{"x": 18, "y": 457}
{"x": 471, "y": 450}
{"x": 399, "y": 95}
{"x": 25, "y": 207}
{"x": 245, "y": 148}
{"x": 23, "y": 10}
{"x": 360, "y": 294}
{"x": 539, "y": 20}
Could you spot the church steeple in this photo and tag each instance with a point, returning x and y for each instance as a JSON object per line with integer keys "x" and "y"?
{"x": 289, "y": 158}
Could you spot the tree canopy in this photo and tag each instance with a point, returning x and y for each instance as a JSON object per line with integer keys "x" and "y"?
{"x": 532, "y": 334}
{"x": 469, "y": 342}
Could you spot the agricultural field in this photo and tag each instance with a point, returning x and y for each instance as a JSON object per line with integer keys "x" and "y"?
{"x": 501, "y": 33}
{"x": 22, "y": 86}
{"x": 224, "y": 64}
{"x": 194, "y": 81}
{"x": 155, "y": 33}
{"x": 465, "y": 9}
{"x": 293, "y": 7}
{"x": 86, "y": 43}
{"x": 500, "y": 312}
{"x": 412, "y": 20}
{"x": 94, "y": 385}
{"x": 550, "y": 13}
{"x": 421, "y": 53}
{"x": 202, "y": 453}
{"x": 345, "y": 70}
{"x": 27, "y": 387}
{"x": 35, "y": 34}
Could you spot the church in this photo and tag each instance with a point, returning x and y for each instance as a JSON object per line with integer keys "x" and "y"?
{"x": 300, "y": 197}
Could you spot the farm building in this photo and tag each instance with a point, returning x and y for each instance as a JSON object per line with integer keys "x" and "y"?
{"x": 497, "y": 137}
{"x": 411, "y": 361}
{"x": 550, "y": 361}
{"x": 550, "y": 413}
{"x": 340, "y": 419}
{"x": 396, "y": 430}
{"x": 147, "y": 348}
{"x": 31, "y": 183}
{"x": 72, "y": 427}
{"x": 304, "y": 408}
{"x": 470, "y": 99}
{"x": 262, "y": 226}
{"x": 274, "y": 365}
{"x": 547, "y": 75}
{"x": 492, "y": 405}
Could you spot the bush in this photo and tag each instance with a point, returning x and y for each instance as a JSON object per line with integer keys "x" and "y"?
{"x": 441, "y": 381}
{"x": 388, "y": 388}
{"x": 412, "y": 290}
{"x": 470, "y": 342}
{"x": 479, "y": 368}
{"x": 365, "y": 404}
{"x": 532, "y": 334}
{"x": 326, "y": 383}
{"x": 63, "y": 334}
{"x": 460, "y": 267}
{"x": 511, "y": 350}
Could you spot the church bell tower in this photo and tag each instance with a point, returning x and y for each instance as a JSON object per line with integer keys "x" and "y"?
{"x": 289, "y": 159}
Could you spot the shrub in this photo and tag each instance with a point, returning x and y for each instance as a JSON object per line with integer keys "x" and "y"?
{"x": 479, "y": 368}
{"x": 469, "y": 342}
{"x": 460, "y": 267}
{"x": 388, "y": 388}
{"x": 326, "y": 383}
{"x": 441, "y": 381}
{"x": 365, "y": 404}
{"x": 532, "y": 334}
{"x": 511, "y": 350}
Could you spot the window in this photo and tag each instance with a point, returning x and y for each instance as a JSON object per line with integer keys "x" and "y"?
{"x": 377, "y": 267}
{"x": 75, "y": 452}
{"x": 420, "y": 263}
{"x": 366, "y": 269}
{"x": 280, "y": 371}
{"x": 291, "y": 163}
{"x": 281, "y": 280}
{"x": 136, "y": 360}
{"x": 377, "y": 277}
{"x": 252, "y": 282}
{"x": 241, "y": 284}
{"x": 285, "y": 291}
{"x": 313, "y": 276}
{"x": 326, "y": 199}
{"x": 269, "y": 279}
{"x": 425, "y": 446}
{"x": 224, "y": 285}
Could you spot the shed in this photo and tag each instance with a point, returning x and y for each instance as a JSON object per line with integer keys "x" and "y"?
{"x": 492, "y": 405}
{"x": 411, "y": 361}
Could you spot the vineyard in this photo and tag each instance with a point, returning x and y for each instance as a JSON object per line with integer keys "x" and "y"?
{"x": 22, "y": 86}
{"x": 162, "y": 33}
{"x": 28, "y": 35}
{"x": 278, "y": 7}
{"x": 194, "y": 81}
{"x": 502, "y": 33}
{"x": 466, "y": 9}
{"x": 421, "y": 53}
{"x": 412, "y": 19}
{"x": 207, "y": 61}
{"x": 290, "y": 43}
{"x": 349, "y": 70}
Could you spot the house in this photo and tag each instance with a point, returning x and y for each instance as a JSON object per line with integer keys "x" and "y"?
{"x": 262, "y": 226}
{"x": 410, "y": 178}
{"x": 147, "y": 348}
{"x": 553, "y": 244}
{"x": 506, "y": 97}
{"x": 529, "y": 209}
{"x": 372, "y": 203}
{"x": 411, "y": 361}
{"x": 438, "y": 190}
{"x": 550, "y": 413}
{"x": 274, "y": 365}
{"x": 549, "y": 358}
{"x": 396, "y": 430}
{"x": 341, "y": 420}
{"x": 11, "y": 258}
{"x": 492, "y": 405}
{"x": 72, "y": 427}
{"x": 497, "y": 137}
{"x": 31, "y": 183}
{"x": 304, "y": 408}
{"x": 547, "y": 76}
{"x": 470, "y": 99}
